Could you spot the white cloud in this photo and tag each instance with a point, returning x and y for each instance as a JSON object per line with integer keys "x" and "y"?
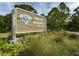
{"x": 2, "y": 13}
{"x": 72, "y": 5}
{"x": 8, "y": 9}
{"x": 10, "y": 5}
{"x": 41, "y": 7}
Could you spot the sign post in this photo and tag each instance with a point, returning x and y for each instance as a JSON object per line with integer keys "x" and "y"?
{"x": 13, "y": 25}
{"x": 24, "y": 21}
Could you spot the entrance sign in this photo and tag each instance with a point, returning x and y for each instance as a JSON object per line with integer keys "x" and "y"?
{"x": 24, "y": 21}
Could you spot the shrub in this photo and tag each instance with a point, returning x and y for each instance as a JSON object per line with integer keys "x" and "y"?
{"x": 43, "y": 44}
{"x": 3, "y": 40}
{"x": 10, "y": 49}
{"x": 72, "y": 46}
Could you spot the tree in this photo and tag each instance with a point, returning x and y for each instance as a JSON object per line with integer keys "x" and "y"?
{"x": 56, "y": 18}
{"x": 5, "y": 23}
{"x": 26, "y": 7}
{"x": 74, "y": 23}
{"x": 43, "y": 15}
{"x": 53, "y": 10}
{"x": 1, "y": 23}
{"x": 52, "y": 18}
{"x": 63, "y": 8}
{"x": 77, "y": 11}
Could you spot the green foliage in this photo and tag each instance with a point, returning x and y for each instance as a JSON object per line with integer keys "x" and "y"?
{"x": 63, "y": 8}
{"x": 73, "y": 24}
{"x": 72, "y": 46}
{"x": 77, "y": 10}
{"x": 1, "y": 23}
{"x": 26, "y": 7}
{"x": 57, "y": 17}
{"x": 8, "y": 22}
{"x": 56, "y": 20}
{"x": 5, "y": 23}
{"x": 3, "y": 40}
{"x": 52, "y": 44}
{"x": 7, "y": 49}
{"x": 10, "y": 49}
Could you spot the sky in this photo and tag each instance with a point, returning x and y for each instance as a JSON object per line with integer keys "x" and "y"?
{"x": 40, "y": 7}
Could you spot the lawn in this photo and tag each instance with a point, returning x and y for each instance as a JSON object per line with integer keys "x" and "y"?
{"x": 5, "y": 34}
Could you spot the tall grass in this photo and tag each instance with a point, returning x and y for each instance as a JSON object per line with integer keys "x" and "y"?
{"x": 52, "y": 44}
{"x": 44, "y": 44}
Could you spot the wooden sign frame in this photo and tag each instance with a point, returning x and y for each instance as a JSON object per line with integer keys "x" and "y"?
{"x": 14, "y": 22}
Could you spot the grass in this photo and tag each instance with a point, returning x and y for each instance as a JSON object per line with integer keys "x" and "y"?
{"x": 51, "y": 43}
{"x": 4, "y": 34}
{"x": 10, "y": 49}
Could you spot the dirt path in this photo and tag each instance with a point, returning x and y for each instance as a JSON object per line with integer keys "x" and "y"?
{"x": 77, "y": 33}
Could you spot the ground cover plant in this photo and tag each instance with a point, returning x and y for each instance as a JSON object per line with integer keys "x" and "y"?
{"x": 47, "y": 44}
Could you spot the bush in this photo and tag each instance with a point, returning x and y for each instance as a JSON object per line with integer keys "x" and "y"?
{"x": 5, "y": 23}
{"x": 43, "y": 44}
{"x": 3, "y": 40}
{"x": 51, "y": 44}
{"x": 10, "y": 49}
